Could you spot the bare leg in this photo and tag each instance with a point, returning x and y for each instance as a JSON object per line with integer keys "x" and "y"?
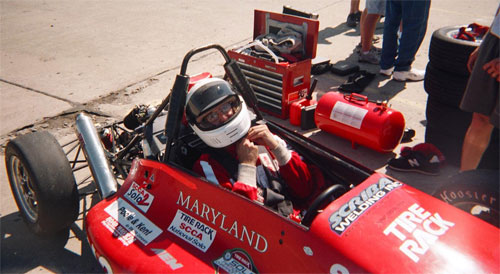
{"x": 367, "y": 28}
{"x": 362, "y": 25}
{"x": 476, "y": 141}
{"x": 354, "y": 6}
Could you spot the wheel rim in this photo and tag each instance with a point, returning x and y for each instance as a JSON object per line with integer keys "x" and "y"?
{"x": 23, "y": 188}
{"x": 454, "y": 33}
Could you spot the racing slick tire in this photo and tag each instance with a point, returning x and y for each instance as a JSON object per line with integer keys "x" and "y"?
{"x": 446, "y": 87}
{"x": 475, "y": 192}
{"x": 42, "y": 183}
{"x": 449, "y": 53}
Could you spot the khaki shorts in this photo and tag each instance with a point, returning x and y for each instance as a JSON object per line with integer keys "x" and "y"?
{"x": 481, "y": 94}
{"x": 375, "y": 7}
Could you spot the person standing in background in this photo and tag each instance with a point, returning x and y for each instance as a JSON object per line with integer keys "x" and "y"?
{"x": 397, "y": 58}
{"x": 371, "y": 14}
{"x": 481, "y": 97}
{"x": 354, "y": 14}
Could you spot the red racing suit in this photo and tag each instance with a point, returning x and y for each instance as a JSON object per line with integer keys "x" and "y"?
{"x": 301, "y": 179}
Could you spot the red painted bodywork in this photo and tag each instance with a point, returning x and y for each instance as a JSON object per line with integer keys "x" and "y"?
{"x": 276, "y": 244}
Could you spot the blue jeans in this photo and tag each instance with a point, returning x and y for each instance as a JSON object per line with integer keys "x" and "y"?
{"x": 413, "y": 14}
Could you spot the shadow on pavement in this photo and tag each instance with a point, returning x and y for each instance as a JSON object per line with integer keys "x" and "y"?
{"x": 329, "y": 32}
{"x": 22, "y": 251}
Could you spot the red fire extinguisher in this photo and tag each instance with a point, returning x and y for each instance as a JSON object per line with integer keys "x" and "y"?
{"x": 297, "y": 106}
{"x": 353, "y": 117}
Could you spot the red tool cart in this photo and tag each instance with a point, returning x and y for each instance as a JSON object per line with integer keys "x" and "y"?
{"x": 276, "y": 83}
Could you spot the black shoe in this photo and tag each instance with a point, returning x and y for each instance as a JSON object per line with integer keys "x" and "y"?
{"x": 417, "y": 162}
{"x": 357, "y": 82}
{"x": 408, "y": 134}
{"x": 358, "y": 16}
{"x": 351, "y": 20}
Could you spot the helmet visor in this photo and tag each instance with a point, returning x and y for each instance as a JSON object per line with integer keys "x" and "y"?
{"x": 219, "y": 114}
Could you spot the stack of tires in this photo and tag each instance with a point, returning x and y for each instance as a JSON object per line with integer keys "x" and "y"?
{"x": 445, "y": 82}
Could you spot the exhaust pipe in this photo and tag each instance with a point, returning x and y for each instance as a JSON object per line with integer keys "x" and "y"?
{"x": 96, "y": 158}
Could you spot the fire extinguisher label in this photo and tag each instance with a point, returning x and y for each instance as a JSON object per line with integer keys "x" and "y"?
{"x": 348, "y": 114}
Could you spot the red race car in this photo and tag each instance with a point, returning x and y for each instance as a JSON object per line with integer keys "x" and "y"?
{"x": 156, "y": 215}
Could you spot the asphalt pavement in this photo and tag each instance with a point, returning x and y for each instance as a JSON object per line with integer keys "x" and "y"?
{"x": 61, "y": 57}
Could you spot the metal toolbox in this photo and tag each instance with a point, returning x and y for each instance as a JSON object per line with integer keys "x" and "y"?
{"x": 278, "y": 84}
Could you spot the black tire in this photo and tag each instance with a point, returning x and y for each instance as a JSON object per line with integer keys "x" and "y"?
{"x": 42, "y": 183}
{"x": 446, "y": 127}
{"x": 446, "y": 87}
{"x": 450, "y": 120}
{"x": 476, "y": 192}
{"x": 448, "y": 53}
{"x": 449, "y": 145}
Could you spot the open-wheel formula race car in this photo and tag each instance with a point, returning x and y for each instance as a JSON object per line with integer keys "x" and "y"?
{"x": 156, "y": 215}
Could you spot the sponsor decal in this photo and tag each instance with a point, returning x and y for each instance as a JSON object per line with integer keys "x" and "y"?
{"x": 125, "y": 236}
{"x": 167, "y": 258}
{"x": 223, "y": 222}
{"x": 192, "y": 231}
{"x": 235, "y": 261}
{"x": 136, "y": 223}
{"x": 139, "y": 196}
{"x": 348, "y": 213}
{"x": 418, "y": 230}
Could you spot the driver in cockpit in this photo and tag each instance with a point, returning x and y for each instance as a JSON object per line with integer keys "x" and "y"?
{"x": 246, "y": 159}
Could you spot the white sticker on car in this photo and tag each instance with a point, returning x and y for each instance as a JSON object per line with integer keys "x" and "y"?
{"x": 142, "y": 228}
{"x": 139, "y": 196}
{"x": 235, "y": 261}
{"x": 125, "y": 236}
{"x": 192, "y": 231}
{"x": 167, "y": 258}
{"x": 418, "y": 230}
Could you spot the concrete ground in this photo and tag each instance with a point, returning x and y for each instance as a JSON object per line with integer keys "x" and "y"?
{"x": 61, "y": 57}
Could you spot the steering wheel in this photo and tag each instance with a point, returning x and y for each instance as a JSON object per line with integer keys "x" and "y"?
{"x": 317, "y": 204}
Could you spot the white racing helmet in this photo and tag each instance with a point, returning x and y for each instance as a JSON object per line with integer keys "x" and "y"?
{"x": 205, "y": 96}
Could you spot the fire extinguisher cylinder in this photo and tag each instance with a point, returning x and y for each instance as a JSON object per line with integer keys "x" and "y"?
{"x": 365, "y": 123}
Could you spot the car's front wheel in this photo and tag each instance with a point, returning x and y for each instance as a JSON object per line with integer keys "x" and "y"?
{"x": 42, "y": 182}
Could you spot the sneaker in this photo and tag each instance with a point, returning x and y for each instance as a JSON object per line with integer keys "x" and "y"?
{"x": 410, "y": 75}
{"x": 370, "y": 57}
{"x": 351, "y": 20}
{"x": 358, "y": 49}
{"x": 377, "y": 50}
{"x": 415, "y": 161}
{"x": 387, "y": 72}
{"x": 358, "y": 16}
{"x": 408, "y": 134}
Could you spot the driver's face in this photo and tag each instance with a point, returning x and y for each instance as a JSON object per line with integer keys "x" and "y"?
{"x": 218, "y": 115}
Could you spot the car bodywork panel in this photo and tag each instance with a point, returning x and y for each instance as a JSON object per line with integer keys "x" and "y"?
{"x": 165, "y": 219}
